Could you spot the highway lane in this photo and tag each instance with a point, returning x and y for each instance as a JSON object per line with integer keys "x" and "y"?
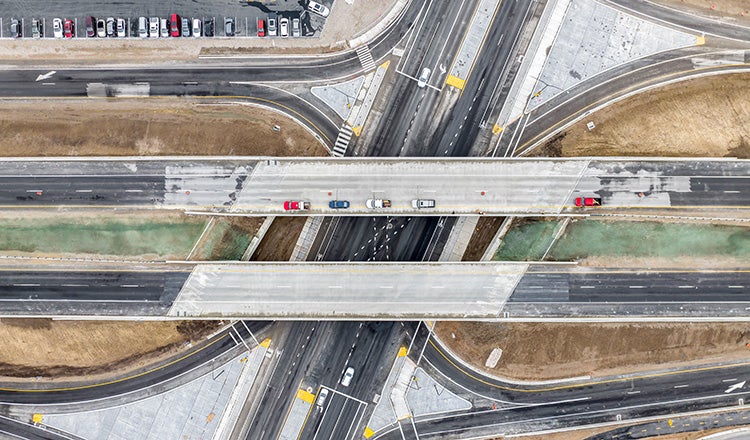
{"x": 97, "y": 292}
{"x": 686, "y": 20}
{"x": 163, "y": 376}
{"x": 579, "y": 101}
{"x": 505, "y": 408}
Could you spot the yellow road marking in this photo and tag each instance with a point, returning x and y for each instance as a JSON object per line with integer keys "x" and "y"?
{"x": 497, "y": 129}
{"x": 36, "y": 418}
{"x": 700, "y": 40}
{"x": 266, "y": 343}
{"x": 402, "y": 352}
{"x": 306, "y": 396}
{"x": 368, "y": 432}
{"x": 455, "y": 82}
{"x": 357, "y": 130}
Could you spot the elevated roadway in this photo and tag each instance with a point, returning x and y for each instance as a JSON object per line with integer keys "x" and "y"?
{"x": 259, "y": 186}
{"x": 381, "y": 291}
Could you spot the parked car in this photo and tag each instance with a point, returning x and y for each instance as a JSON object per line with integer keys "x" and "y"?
{"x": 322, "y": 396}
{"x": 163, "y": 28}
{"x": 101, "y": 28}
{"x": 294, "y": 205}
{"x": 346, "y": 379}
{"x": 174, "y": 25}
{"x": 272, "y": 25}
{"x": 261, "y": 28}
{"x": 378, "y": 203}
{"x": 37, "y": 28}
{"x": 317, "y": 8}
{"x": 57, "y": 28}
{"x": 122, "y": 28}
{"x": 69, "y": 28}
{"x": 295, "y": 28}
{"x": 185, "y": 27}
{"x": 588, "y": 201}
{"x": 338, "y": 204}
{"x": 229, "y": 27}
{"x": 424, "y": 77}
{"x": 284, "y": 27}
{"x": 422, "y": 203}
{"x": 90, "y": 26}
{"x": 15, "y": 28}
{"x": 153, "y": 27}
{"x": 143, "y": 27}
{"x": 197, "y": 31}
{"x": 111, "y": 27}
{"x": 208, "y": 27}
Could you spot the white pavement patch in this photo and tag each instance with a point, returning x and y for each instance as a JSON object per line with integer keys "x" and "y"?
{"x": 400, "y": 388}
{"x": 384, "y": 414}
{"x": 465, "y": 187}
{"x": 203, "y": 185}
{"x": 340, "y": 97}
{"x": 100, "y": 90}
{"x": 426, "y": 396}
{"x": 594, "y": 38}
{"x": 347, "y": 290}
{"x": 191, "y": 411}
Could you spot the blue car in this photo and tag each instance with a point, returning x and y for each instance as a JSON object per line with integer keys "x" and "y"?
{"x": 338, "y": 204}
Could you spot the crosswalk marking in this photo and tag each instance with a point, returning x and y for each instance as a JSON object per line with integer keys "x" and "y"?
{"x": 342, "y": 141}
{"x": 365, "y": 57}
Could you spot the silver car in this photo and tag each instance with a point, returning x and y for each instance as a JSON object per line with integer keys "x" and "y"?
{"x": 295, "y": 27}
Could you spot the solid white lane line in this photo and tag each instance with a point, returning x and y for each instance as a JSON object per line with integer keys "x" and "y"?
{"x": 680, "y": 386}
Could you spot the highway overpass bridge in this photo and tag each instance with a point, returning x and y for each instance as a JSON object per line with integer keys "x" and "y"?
{"x": 260, "y": 185}
{"x": 365, "y": 291}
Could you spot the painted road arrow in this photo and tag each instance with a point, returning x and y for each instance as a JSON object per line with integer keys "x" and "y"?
{"x": 736, "y": 386}
{"x": 47, "y": 75}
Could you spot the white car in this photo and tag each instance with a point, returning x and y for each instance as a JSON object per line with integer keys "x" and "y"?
{"x": 164, "y": 28}
{"x": 322, "y": 396}
{"x": 122, "y": 31}
{"x": 348, "y": 375}
{"x": 197, "y": 27}
{"x": 424, "y": 77}
{"x": 142, "y": 27}
{"x": 378, "y": 203}
{"x": 295, "y": 27}
{"x": 317, "y": 8}
{"x": 153, "y": 29}
{"x": 57, "y": 27}
{"x": 422, "y": 203}
{"x": 284, "y": 27}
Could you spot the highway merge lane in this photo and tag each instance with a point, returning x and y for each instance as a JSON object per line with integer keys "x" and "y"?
{"x": 259, "y": 186}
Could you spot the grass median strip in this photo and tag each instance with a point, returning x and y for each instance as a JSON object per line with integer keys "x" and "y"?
{"x": 171, "y": 237}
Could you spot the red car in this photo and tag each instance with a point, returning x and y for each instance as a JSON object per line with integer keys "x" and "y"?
{"x": 293, "y": 205}
{"x": 588, "y": 201}
{"x": 174, "y": 25}
{"x": 261, "y": 28}
{"x": 68, "y": 28}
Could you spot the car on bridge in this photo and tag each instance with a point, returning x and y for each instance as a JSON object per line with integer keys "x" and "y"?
{"x": 422, "y": 203}
{"x": 338, "y": 204}
{"x": 378, "y": 203}
{"x": 294, "y": 205}
{"x": 588, "y": 201}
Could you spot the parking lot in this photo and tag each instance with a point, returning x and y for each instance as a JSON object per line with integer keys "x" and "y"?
{"x": 244, "y": 17}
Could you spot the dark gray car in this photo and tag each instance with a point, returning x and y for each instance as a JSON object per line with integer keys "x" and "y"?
{"x": 185, "y": 27}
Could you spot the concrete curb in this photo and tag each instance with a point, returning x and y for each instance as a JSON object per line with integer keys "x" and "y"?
{"x": 393, "y": 15}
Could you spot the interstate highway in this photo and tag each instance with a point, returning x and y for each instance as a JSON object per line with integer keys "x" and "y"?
{"x": 259, "y": 186}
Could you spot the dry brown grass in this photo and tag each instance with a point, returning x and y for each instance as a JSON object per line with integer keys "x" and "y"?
{"x": 278, "y": 243}
{"x": 539, "y": 351}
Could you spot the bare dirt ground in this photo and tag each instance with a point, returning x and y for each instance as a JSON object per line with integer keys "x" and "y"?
{"x": 483, "y": 233}
{"x": 42, "y": 349}
{"x": 581, "y": 434}
{"x": 704, "y": 117}
{"x": 541, "y": 351}
{"x": 732, "y": 11}
{"x": 346, "y": 21}
{"x": 278, "y": 243}
{"x": 153, "y": 127}
{"x": 226, "y": 239}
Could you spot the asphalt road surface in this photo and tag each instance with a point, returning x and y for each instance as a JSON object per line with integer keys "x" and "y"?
{"x": 502, "y": 408}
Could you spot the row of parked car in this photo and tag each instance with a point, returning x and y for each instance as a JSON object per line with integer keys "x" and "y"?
{"x": 300, "y": 205}
{"x": 174, "y": 26}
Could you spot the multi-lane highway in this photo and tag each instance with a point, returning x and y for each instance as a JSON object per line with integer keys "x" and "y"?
{"x": 260, "y": 186}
